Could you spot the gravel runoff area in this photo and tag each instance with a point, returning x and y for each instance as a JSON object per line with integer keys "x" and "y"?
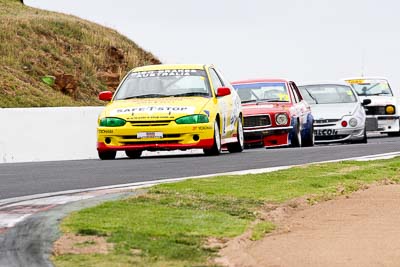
{"x": 361, "y": 229}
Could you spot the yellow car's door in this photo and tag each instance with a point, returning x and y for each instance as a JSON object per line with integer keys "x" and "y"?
{"x": 224, "y": 105}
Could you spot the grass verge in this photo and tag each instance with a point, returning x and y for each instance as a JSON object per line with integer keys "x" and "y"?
{"x": 170, "y": 225}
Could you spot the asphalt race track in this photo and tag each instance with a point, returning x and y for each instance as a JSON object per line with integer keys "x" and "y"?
{"x": 21, "y": 179}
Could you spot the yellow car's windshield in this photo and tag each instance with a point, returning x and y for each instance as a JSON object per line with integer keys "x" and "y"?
{"x": 164, "y": 83}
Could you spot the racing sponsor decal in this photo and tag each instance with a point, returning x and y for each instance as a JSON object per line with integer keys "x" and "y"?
{"x": 152, "y": 109}
{"x": 100, "y": 131}
{"x": 235, "y": 109}
{"x": 367, "y": 81}
{"x": 202, "y": 128}
{"x": 164, "y": 73}
{"x": 152, "y": 117}
{"x": 324, "y": 132}
{"x": 358, "y": 81}
{"x": 283, "y": 97}
{"x": 224, "y": 109}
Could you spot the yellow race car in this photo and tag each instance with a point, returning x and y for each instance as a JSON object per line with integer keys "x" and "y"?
{"x": 168, "y": 107}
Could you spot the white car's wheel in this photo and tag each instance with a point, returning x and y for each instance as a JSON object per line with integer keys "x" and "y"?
{"x": 364, "y": 140}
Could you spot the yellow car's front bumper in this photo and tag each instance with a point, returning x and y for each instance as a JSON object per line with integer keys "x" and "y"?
{"x": 155, "y": 136}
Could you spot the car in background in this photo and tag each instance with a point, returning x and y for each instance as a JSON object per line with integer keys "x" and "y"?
{"x": 275, "y": 113}
{"x": 339, "y": 115}
{"x": 169, "y": 107}
{"x": 383, "y": 113}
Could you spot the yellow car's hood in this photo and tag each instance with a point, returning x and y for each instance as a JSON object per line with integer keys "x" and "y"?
{"x": 169, "y": 108}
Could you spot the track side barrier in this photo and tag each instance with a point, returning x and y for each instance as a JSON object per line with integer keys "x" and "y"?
{"x": 47, "y": 134}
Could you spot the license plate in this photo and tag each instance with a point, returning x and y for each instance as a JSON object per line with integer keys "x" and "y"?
{"x": 144, "y": 135}
{"x": 324, "y": 132}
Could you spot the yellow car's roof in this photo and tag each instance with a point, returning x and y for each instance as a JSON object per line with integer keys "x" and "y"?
{"x": 170, "y": 67}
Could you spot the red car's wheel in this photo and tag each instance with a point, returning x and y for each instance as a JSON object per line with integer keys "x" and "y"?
{"x": 310, "y": 138}
{"x": 296, "y": 139}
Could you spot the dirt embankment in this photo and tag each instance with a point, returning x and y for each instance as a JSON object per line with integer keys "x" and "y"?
{"x": 53, "y": 59}
{"x": 357, "y": 230}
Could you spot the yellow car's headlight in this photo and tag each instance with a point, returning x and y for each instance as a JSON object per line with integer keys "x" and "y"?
{"x": 192, "y": 119}
{"x": 390, "y": 109}
{"x": 112, "y": 122}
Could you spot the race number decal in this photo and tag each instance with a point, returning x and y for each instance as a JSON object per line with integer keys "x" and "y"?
{"x": 283, "y": 97}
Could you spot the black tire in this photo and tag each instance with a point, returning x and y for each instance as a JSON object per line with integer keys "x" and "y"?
{"x": 107, "y": 155}
{"x": 393, "y": 134}
{"x": 296, "y": 139}
{"x": 310, "y": 139}
{"x": 216, "y": 148}
{"x": 239, "y": 145}
{"x": 364, "y": 140}
{"x": 133, "y": 154}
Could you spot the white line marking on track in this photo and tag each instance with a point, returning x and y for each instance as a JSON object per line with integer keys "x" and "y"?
{"x": 56, "y": 200}
{"x": 137, "y": 185}
{"x": 9, "y": 220}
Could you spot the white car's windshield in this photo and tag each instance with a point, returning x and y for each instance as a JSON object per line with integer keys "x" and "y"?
{"x": 366, "y": 87}
{"x": 270, "y": 92}
{"x": 164, "y": 83}
{"x": 327, "y": 94}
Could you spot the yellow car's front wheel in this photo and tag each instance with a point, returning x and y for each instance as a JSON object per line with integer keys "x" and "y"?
{"x": 239, "y": 145}
{"x": 216, "y": 148}
{"x": 107, "y": 155}
{"x": 133, "y": 154}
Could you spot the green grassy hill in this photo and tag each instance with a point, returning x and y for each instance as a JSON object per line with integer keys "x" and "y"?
{"x": 52, "y": 59}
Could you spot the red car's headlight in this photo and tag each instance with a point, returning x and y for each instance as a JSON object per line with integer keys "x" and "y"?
{"x": 281, "y": 119}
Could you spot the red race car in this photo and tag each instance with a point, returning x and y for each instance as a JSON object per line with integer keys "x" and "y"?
{"x": 275, "y": 114}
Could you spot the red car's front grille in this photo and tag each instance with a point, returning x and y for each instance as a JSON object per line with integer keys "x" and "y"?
{"x": 257, "y": 121}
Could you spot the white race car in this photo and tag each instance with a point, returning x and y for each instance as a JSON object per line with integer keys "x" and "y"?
{"x": 383, "y": 112}
{"x": 339, "y": 115}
